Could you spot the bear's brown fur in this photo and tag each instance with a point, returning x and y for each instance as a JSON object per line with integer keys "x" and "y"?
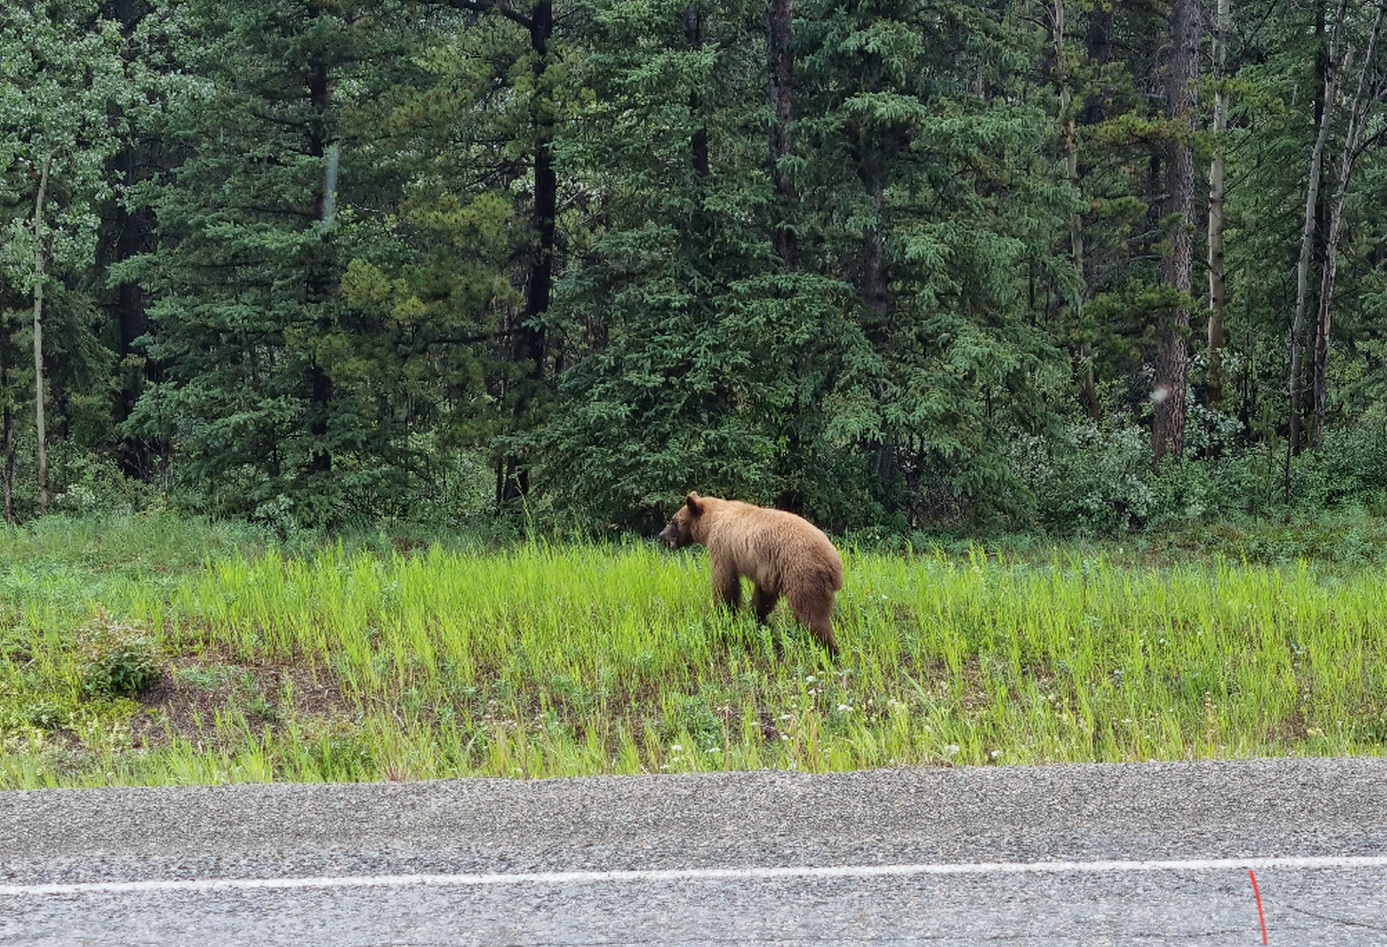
{"x": 781, "y": 553}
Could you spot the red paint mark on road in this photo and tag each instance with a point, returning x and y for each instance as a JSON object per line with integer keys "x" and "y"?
{"x": 1258, "y": 895}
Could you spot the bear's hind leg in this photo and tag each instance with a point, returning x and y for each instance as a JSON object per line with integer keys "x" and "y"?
{"x": 763, "y": 602}
{"x": 824, "y": 632}
{"x": 814, "y": 615}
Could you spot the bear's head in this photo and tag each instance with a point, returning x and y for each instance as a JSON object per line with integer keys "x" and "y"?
{"x": 682, "y": 528}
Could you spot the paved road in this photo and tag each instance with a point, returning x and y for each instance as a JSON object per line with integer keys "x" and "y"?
{"x": 1157, "y": 853}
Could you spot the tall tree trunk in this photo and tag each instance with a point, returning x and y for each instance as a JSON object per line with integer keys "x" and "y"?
{"x": 39, "y": 274}
{"x": 1172, "y": 368}
{"x": 1098, "y": 44}
{"x": 873, "y": 289}
{"x": 133, "y": 230}
{"x": 541, "y": 276}
{"x": 7, "y": 434}
{"x": 873, "y": 284}
{"x": 134, "y": 234}
{"x": 1307, "y": 244}
{"x": 1070, "y": 131}
{"x": 528, "y": 339}
{"x": 529, "y": 342}
{"x": 1359, "y": 113}
{"x": 320, "y": 388}
{"x": 698, "y": 143}
{"x": 1218, "y": 289}
{"x": 780, "y": 68}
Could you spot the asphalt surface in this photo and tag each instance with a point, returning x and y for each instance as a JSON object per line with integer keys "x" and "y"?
{"x": 1154, "y": 853}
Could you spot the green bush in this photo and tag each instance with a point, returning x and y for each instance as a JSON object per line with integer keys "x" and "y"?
{"x": 1099, "y": 480}
{"x": 117, "y": 660}
{"x": 1351, "y": 469}
{"x": 1092, "y": 479}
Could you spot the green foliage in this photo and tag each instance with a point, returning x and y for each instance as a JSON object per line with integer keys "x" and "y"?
{"x": 961, "y": 335}
{"x": 117, "y": 659}
{"x": 433, "y": 271}
{"x": 706, "y": 361}
{"x": 61, "y": 102}
{"x": 66, "y": 97}
{"x": 1352, "y": 469}
{"x": 1092, "y": 481}
{"x": 271, "y": 385}
{"x": 1097, "y": 480}
{"x": 547, "y": 659}
{"x": 919, "y": 151}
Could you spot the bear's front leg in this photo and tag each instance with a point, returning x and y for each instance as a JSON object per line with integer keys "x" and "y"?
{"x": 727, "y": 586}
{"x": 763, "y": 603}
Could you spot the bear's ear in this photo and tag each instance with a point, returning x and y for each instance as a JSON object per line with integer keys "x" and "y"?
{"x": 693, "y": 503}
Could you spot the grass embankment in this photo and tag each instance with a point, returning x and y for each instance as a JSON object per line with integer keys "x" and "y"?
{"x": 126, "y": 657}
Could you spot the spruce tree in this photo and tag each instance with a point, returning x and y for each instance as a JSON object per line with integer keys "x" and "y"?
{"x": 704, "y": 348}
{"x": 244, "y": 284}
{"x": 924, "y": 176}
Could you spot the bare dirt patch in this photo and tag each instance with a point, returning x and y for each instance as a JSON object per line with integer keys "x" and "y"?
{"x": 193, "y": 691}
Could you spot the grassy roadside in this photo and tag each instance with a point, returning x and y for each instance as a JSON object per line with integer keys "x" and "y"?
{"x": 157, "y": 650}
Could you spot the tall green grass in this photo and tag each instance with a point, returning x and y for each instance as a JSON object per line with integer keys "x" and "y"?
{"x": 558, "y": 660}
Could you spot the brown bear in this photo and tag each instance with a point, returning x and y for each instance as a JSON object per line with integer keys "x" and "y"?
{"x": 781, "y": 553}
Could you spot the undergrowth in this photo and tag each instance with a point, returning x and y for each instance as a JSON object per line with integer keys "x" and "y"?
{"x": 126, "y": 657}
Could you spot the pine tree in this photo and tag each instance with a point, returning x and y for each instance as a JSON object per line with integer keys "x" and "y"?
{"x": 244, "y": 284}
{"x": 925, "y": 177}
{"x": 448, "y": 248}
{"x": 705, "y": 350}
{"x": 1172, "y": 365}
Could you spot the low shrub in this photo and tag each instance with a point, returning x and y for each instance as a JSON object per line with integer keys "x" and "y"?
{"x": 117, "y": 659}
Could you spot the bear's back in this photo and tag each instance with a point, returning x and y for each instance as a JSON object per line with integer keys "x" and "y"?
{"x": 774, "y": 548}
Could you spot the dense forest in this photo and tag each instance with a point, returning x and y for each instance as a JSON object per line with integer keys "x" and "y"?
{"x": 896, "y": 264}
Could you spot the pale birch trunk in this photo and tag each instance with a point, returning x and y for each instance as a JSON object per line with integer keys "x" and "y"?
{"x": 1307, "y": 245}
{"x": 1218, "y": 289}
{"x": 1362, "y": 107}
{"x": 8, "y": 419}
{"x": 38, "y": 335}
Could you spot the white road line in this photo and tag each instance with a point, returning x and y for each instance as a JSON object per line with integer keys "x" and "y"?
{"x": 690, "y": 874}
